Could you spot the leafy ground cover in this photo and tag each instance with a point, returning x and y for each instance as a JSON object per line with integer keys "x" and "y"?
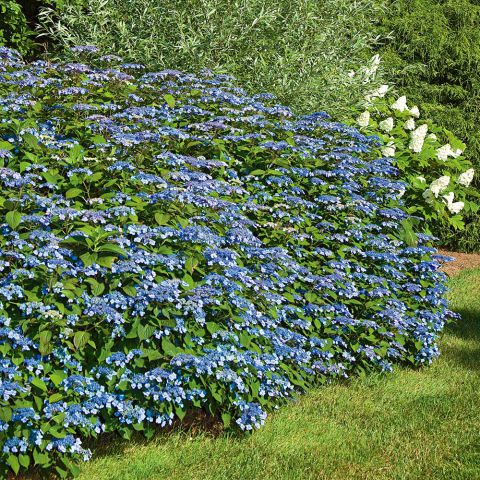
{"x": 171, "y": 243}
{"x": 414, "y": 424}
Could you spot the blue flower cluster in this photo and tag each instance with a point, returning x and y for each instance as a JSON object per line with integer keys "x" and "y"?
{"x": 170, "y": 243}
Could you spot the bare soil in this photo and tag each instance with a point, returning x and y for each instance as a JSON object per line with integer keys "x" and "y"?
{"x": 463, "y": 261}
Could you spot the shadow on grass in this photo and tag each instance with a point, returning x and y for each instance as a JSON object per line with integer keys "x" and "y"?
{"x": 468, "y": 329}
{"x": 195, "y": 424}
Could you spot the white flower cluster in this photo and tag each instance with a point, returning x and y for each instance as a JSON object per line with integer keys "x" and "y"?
{"x": 386, "y": 125}
{"x": 418, "y": 138}
{"x": 441, "y": 184}
{"x": 466, "y": 178}
{"x": 453, "y": 207}
{"x": 446, "y": 151}
{"x": 364, "y": 119}
{"x": 380, "y": 92}
{"x": 400, "y": 104}
{"x": 409, "y": 124}
{"x": 418, "y": 135}
{"x": 389, "y": 149}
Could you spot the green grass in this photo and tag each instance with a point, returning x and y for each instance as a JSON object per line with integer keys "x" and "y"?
{"x": 410, "y": 425}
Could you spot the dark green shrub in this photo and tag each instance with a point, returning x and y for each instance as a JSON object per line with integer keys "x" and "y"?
{"x": 14, "y": 30}
{"x": 433, "y": 56}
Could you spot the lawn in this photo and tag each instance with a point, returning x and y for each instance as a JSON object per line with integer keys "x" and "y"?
{"x": 411, "y": 425}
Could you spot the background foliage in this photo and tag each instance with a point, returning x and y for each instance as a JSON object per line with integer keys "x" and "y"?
{"x": 301, "y": 50}
{"x": 433, "y": 55}
{"x": 431, "y": 51}
{"x": 14, "y": 30}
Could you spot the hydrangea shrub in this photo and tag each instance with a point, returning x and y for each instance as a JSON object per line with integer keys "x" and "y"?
{"x": 169, "y": 243}
{"x": 430, "y": 159}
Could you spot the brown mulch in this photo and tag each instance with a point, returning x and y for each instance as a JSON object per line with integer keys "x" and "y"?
{"x": 462, "y": 261}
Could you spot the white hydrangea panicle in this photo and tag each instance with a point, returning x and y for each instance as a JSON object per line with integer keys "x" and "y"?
{"x": 449, "y": 197}
{"x": 409, "y": 124}
{"x": 400, "y": 104}
{"x": 456, "y": 153}
{"x": 389, "y": 149}
{"x": 439, "y": 185}
{"x": 386, "y": 125}
{"x": 418, "y": 138}
{"x": 466, "y": 178}
{"x": 453, "y": 207}
{"x": 380, "y": 92}
{"x": 444, "y": 152}
{"x": 364, "y": 119}
{"x": 415, "y": 112}
{"x": 456, "y": 207}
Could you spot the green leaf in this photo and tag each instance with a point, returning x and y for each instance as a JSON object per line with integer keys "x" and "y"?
{"x": 45, "y": 346}
{"x": 130, "y": 290}
{"x": 57, "y": 377}
{"x": 213, "y": 327}
{"x": 75, "y": 152}
{"x": 151, "y": 354}
{"x": 180, "y": 412}
{"x": 170, "y": 100}
{"x": 80, "y": 339}
{"x": 53, "y": 179}
{"x": 5, "y": 146}
{"x": 55, "y": 397}
{"x": 37, "y": 382}
{"x": 24, "y": 460}
{"x": 226, "y": 419}
{"x": 168, "y": 347}
{"x": 162, "y": 218}
{"x": 89, "y": 258}
{"x": 73, "y": 192}
{"x": 98, "y": 139}
{"x": 40, "y": 458}
{"x": 5, "y": 414}
{"x": 457, "y": 222}
{"x": 12, "y": 460}
{"x": 407, "y": 234}
{"x": 30, "y": 140}
{"x": 145, "y": 331}
{"x": 13, "y": 219}
{"x": 106, "y": 261}
{"x": 97, "y": 287}
{"x": 112, "y": 248}
{"x": 190, "y": 264}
